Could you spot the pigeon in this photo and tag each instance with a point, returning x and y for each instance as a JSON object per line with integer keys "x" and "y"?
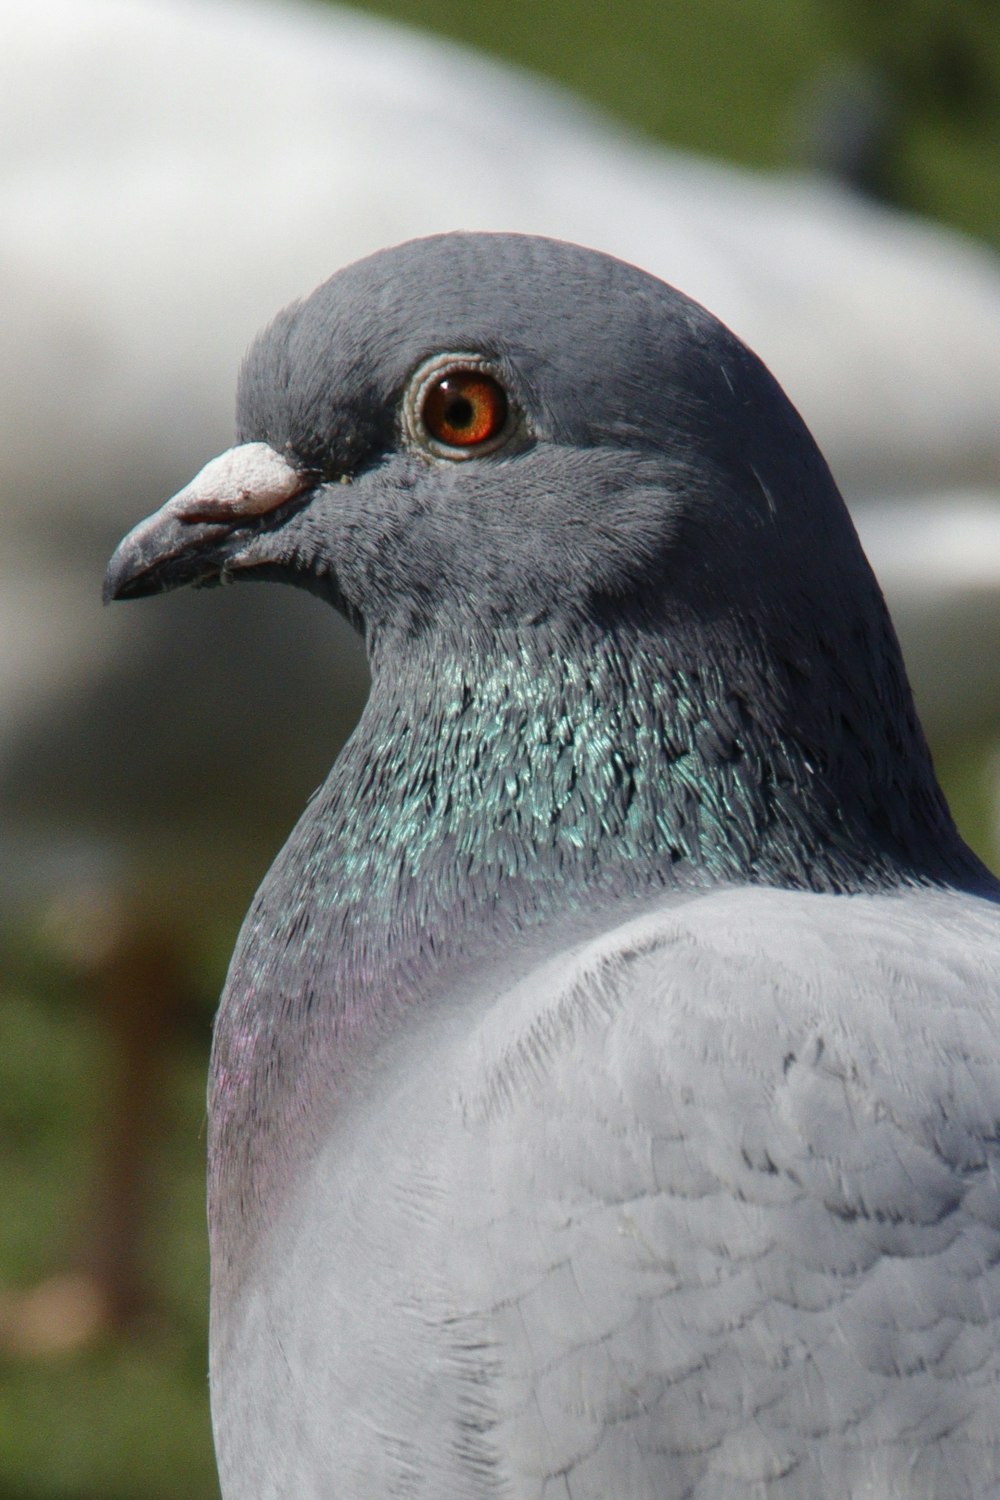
{"x": 123, "y": 125}
{"x": 605, "y": 1089}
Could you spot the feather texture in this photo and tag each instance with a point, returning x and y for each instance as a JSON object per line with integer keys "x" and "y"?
{"x": 704, "y": 1207}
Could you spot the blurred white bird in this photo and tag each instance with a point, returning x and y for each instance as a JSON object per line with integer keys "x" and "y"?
{"x": 171, "y": 171}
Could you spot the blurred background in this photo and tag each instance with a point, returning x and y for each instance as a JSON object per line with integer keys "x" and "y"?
{"x": 822, "y": 173}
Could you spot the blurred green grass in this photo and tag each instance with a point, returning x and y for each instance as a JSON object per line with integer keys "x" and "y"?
{"x": 128, "y": 1420}
{"x": 739, "y": 79}
{"x": 125, "y": 1418}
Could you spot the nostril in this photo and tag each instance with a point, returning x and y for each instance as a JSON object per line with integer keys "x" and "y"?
{"x": 248, "y": 480}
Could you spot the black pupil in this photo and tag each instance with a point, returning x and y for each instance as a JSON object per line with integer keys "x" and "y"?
{"x": 458, "y": 412}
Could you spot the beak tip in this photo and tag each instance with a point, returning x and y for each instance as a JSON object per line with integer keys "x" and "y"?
{"x": 110, "y": 591}
{"x": 111, "y": 588}
{"x": 123, "y": 572}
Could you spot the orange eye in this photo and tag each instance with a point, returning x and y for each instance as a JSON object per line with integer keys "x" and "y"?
{"x": 464, "y": 408}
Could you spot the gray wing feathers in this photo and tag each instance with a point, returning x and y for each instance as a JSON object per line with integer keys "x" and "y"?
{"x": 708, "y": 1208}
{"x": 742, "y": 1171}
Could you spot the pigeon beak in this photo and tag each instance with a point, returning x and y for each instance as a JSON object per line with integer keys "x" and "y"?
{"x": 178, "y": 544}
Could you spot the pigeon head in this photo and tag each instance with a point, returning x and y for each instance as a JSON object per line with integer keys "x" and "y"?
{"x": 475, "y": 432}
{"x": 588, "y": 538}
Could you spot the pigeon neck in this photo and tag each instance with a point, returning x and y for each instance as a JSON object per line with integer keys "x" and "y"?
{"x": 484, "y": 796}
{"x": 685, "y": 755}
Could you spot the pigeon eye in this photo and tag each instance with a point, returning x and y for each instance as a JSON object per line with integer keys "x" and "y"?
{"x": 457, "y": 408}
{"x": 464, "y": 409}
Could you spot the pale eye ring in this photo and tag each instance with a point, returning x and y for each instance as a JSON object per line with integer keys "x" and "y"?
{"x": 457, "y": 407}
